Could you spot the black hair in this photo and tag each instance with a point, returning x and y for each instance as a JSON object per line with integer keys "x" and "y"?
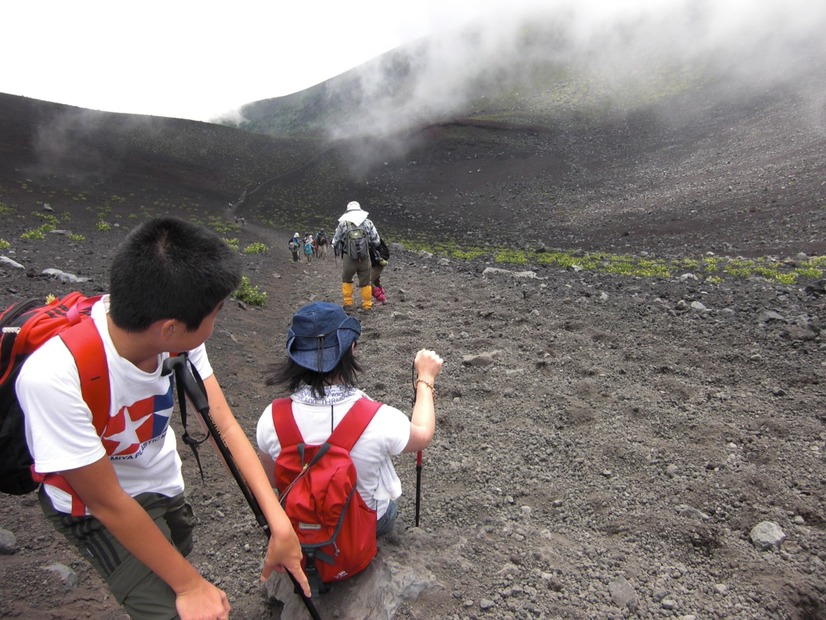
{"x": 292, "y": 376}
{"x": 167, "y": 268}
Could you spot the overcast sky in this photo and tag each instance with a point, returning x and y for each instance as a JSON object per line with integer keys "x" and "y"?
{"x": 198, "y": 60}
{"x": 195, "y": 59}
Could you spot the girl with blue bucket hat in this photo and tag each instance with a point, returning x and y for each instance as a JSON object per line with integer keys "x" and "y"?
{"x": 320, "y": 370}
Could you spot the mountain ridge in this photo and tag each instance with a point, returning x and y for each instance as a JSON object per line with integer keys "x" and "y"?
{"x": 670, "y": 175}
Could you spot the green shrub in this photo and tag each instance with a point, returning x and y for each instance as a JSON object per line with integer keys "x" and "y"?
{"x": 219, "y": 225}
{"x": 4, "y": 245}
{"x": 250, "y": 294}
{"x": 77, "y": 238}
{"x": 232, "y": 243}
{"x": 255, "y": 248}
{"x": 35, "y": 233}
{"x": 809, "y": 271}
{"x": 103, "y": 226}
{"x": 514, "y": 257}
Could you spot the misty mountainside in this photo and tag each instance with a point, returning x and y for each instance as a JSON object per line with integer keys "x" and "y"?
{"x": 651, "y": 133}
{"x": 533, "y": 139}
{"x": 50, "y": 147}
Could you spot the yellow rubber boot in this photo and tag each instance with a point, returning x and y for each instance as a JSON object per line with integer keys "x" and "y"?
{"x": 367, "y": 297}
{"x": 347, "y": 294}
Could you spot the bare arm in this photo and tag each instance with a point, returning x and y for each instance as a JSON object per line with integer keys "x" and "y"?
{"x": 423, "y": 421}
{"x": 284, "y": 550}
{"x": 98, "y": 487}
{"x": 268, "y": 464}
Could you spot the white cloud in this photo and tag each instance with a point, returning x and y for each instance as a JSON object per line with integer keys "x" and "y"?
{"x": 196, "y": 60}
{"x": 185, "y": 58}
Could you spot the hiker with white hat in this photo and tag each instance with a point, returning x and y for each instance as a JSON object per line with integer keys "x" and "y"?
{"x": 355, "y": 238}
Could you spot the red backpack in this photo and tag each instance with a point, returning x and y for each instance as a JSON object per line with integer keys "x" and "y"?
{"x": 317, "y": 488}
{"x": 25, "y": 327}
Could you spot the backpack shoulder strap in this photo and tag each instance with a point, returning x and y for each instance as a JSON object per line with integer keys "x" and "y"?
{"x": 284, "y": 422}
{"x": 86, "y": 346}
{"x": 351, "y": 427}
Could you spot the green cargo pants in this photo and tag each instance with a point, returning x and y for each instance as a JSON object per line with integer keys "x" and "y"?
{"x": 141, "y": 592}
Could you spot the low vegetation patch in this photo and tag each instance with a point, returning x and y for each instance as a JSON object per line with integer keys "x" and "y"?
{"x": 712, "y": 269}
{"x": 249, "y": 293}
{"x": 255, "y": 248}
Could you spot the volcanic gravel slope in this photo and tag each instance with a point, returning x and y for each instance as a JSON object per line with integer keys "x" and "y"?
{"x": 605, "y": 444}
{"x": 595, "y": 435}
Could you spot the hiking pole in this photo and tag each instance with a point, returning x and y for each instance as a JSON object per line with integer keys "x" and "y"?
{"x": 418, "y": 484}
{"x": 189, "y": 380}
{"x": 418, "y": 456}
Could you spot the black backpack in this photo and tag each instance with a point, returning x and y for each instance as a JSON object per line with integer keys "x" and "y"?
{"x": 380, "y": 254}
{"x": 321, "y": 238}
{"x": 356, "y": 242}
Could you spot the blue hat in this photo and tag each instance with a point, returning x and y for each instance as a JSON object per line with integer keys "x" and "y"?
{"x": 320, "y": 334}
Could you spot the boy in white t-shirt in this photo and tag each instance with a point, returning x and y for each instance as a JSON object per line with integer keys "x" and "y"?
{"x": 125, "y": 507}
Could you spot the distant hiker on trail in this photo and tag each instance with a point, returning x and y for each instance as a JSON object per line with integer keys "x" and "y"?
{"x": 118, "y": 494}
{"x": 321, "y": 243}
{"x": 320, "y": 370}
{"x": 356, "y": 235}
{"x": 309, "y": 246}
{"x": 378, "y": 261}
{"x": 295, "y": 246}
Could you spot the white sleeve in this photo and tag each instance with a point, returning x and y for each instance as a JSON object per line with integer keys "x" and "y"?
{"x": 373, "y": 235}
{"x": 395, "y": 428}
{"x": 59, "y": 428}
{"x": 339, "y": 232}
{"x": 265, "y": 434}
{"x": 200, "y": 360}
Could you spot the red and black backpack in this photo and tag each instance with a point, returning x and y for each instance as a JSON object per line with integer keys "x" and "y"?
{"x": 27, "y": 325}
{"x": 317, "y": 488}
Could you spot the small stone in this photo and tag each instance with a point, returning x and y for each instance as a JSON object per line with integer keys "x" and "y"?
{"x": 8, "y": 542}
{"x": 66, "y": 575}
{"x": 766, "y": 536}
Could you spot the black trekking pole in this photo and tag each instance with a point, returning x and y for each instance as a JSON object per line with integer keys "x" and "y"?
{"x": 418, "y": 484}
{"x": 188, "y": 380}
{"x": 418, "y": 457}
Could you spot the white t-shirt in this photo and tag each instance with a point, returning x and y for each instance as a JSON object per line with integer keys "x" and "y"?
{"x": 385, "y": 436}
{"x": 59, "y": 428}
